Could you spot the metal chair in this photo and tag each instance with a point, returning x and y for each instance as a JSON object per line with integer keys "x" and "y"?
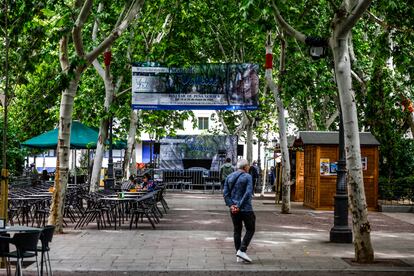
{"x": 5, "y": 251}
{"x": 26, "y": 247}
{"x": 45, "y": 238}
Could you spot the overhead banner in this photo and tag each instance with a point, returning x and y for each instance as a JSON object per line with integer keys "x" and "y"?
{"x": 203, "y": 87}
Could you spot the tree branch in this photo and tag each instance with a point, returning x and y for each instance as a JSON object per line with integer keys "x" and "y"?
{"x": 133, "y": 11}
{"x": 96, "y": 23}
{"x": 219, "y": 42}
{"x": 63, "y": 53}
{"x": 221, "y": 120}
{"x": 285, "y": 26}
{"x": 96, "y": 64}
{"x": 164, "y": 29}
{"x": 387, "y": 26}
{"x": 121, "y": 15}
{"x": 77, "y": 29}
{"x": 98, "y": 67}
{"x": 129, "y": 48}
{"x": 118, "y": 84}
{"x": 354, "y": 16}
{"x": 153, "y": 33}
{"x": 331, "y": 119}
{"x": 357, "y": 78}
{"x": 244, "y": 122}
{"x": 377, "y": 20}
{"x": 351, "y": 49}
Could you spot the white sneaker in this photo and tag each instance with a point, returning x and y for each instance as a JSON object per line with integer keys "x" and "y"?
{"x": 238, "y": 259}
{"x": 243, "y": 256}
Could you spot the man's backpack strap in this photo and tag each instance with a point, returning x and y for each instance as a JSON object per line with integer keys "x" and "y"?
{"x": 234, "y": 183}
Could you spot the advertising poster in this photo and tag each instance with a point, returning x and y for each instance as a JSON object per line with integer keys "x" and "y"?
{"x": 364, "y": 161}
{"x": 324, "y": 166}
{"x": 333, "y": 167}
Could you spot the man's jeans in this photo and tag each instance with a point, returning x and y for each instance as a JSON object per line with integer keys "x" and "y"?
{"x": 249, "y": 220}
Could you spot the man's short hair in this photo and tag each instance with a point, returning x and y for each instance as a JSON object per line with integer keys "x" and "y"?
{"x": 242, "y": 163}
{"x": 228, "y": 160}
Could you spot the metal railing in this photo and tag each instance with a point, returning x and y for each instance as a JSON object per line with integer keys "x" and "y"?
{"x": 194, "y": 176}
{"x": 397, "y": 192}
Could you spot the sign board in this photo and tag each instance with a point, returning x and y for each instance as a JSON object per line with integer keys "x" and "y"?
{"x": 203, "y": 87}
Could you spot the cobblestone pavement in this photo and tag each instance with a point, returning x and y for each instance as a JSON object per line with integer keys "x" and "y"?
{"x": 195, "y": 238}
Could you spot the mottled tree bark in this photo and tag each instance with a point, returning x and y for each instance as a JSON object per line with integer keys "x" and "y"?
{"x": 346, "y": 17}
{"x": 285, "y": 208}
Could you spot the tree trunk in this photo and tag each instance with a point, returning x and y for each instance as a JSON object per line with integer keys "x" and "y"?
{"x": 131, "y": 143}
{"x": 361, "y": 228}
{"x": 99, "y": 153}
{"x": 345, "y": 19}
{"x": 285, "y": 209}
{"x": 68, "y": 95}
{"x": 249, "y": 143}
{"x": 311, "y": 123}
{"x": 411, "y": 123}
{"x": 62, "y": 162}
{"x": 103, "y": 130}
{"x": 133, "y": 163}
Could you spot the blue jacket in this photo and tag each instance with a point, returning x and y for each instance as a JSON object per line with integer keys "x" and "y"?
{"x": 241, "y": 194}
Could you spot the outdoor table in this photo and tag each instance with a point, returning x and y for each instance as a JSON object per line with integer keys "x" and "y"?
{"x": 44, "y": 195}
{"x": 119, "y": 207}
{"x": 137, "y": 192}
{"x": 19, "y": 228}
{"x": 20, "y": 198}
{"x": 129, "y": 193}
{"x": 23, "y": 207}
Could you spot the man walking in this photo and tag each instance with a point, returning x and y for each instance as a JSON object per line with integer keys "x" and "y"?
{"x": 225, "y": 170}
{"x": 238, "y": 189}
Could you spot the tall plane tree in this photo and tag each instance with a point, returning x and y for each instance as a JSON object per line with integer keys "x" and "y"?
{"x": 74, "y": 69}
{"x": 346, "y": 16}
{"x": 286, "y": 182}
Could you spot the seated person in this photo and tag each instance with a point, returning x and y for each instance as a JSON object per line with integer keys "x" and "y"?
{"x": 147, "y": 183}
{"x": 130, "y": 184}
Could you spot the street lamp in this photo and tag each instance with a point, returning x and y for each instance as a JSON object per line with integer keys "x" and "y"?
{"x": 340, "y": 232}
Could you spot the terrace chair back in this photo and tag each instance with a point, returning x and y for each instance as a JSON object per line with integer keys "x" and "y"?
{"x": 26, "y": 247}
{"x": 45, "y": 238}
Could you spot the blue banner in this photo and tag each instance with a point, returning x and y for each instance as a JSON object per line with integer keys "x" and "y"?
{"x": 208, "y": 87}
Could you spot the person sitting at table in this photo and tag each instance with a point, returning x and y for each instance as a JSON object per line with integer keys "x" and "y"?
{"x": 130, "y": 184}
{"x": 147, "y": 183}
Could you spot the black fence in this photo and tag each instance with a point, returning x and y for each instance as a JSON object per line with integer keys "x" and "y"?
{"x": 396, "y": 192}
{"x": 193, "y": 176}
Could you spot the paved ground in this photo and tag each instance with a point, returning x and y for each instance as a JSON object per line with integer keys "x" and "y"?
{"x": 195, "y": 238}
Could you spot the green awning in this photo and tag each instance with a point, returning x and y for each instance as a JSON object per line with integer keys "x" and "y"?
{"x": 81, "y": 137}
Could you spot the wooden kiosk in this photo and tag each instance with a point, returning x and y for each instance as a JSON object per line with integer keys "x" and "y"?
{"x": 320, "y": 154}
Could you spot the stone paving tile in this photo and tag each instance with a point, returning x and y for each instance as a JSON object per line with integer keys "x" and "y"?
{"x": 297, "y": 246}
